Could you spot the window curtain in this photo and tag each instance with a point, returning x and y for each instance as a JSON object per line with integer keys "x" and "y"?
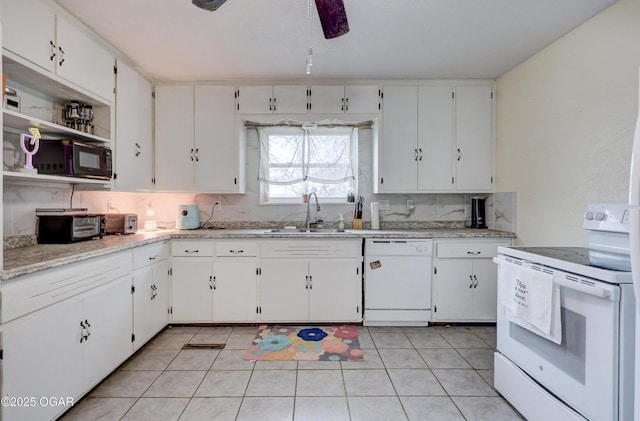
{"x": 292, "y": 154}
{"x": 281, "y": 152}
{"x": 330, "y": 154}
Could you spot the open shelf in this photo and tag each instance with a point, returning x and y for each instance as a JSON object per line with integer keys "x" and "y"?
{"x": 13, "y": 176}
{"x": 14, "y": 121}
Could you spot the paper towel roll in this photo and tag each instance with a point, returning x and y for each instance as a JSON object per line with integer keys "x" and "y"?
{"x": 375, "y": 215}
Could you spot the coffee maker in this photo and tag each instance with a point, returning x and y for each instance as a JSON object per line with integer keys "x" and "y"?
{"x": 478, "y": 212}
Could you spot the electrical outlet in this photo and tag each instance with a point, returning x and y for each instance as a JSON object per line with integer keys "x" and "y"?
{"x": 383, "y": 205}
{"x": 411, "y": 208}
{"x": 217, "y": 206}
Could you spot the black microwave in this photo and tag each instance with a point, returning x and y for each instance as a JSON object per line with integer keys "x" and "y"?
{"x": 77, "y": 159}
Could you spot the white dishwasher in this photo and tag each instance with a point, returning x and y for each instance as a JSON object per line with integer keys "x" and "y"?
{"x": 397, "y": 282}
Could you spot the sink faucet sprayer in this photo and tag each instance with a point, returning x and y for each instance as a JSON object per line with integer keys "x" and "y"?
{"x": 308, "y": 220}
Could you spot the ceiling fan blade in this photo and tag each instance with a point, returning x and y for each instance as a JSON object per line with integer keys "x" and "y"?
{"x": 210, "y": 5}
{"x": 333, "y": 18}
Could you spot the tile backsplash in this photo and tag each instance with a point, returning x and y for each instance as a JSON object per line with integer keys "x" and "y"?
{"x": 20, "y": 201}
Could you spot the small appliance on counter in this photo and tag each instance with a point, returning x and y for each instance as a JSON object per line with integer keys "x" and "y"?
{"x": 478, "y": 212}
{"x": 67, "y": 225}
{"x": 120, "y": 223}
{"x": 188, "y": 217}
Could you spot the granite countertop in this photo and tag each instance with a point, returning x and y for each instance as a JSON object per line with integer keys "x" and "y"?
{"x": 25, "y": 260}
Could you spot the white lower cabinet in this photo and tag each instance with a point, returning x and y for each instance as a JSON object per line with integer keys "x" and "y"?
{"x": 214, "y": 289}
{"x": 192, "y": 289}
{"x": 284, "y": 290}
{"x": 150, "y": 291}
{"x": 234, "y": 294}
{"x": 310, "y": 281}
{"x": 465, "y": 281}
{"x": 65, "y": 349}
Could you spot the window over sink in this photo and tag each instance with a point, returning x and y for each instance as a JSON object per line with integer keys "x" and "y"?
{"x": 300, "y": 158}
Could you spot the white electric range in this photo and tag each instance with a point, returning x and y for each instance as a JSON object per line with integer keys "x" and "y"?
{"x": 588, "y": 374}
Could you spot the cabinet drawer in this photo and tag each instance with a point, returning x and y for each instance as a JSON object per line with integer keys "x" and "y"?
{"x": 236, "y": 248}
{"x": 146, "y": 255}
{"x": 310, "y": 249}
{"x": 192, "y": 248}
{"x": 29, "y": 293}
{"x": 467, "y": 250}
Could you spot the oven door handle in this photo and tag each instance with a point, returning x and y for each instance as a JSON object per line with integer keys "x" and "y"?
{"x": 587, "y": 289}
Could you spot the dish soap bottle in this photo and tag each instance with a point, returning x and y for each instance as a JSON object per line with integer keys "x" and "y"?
{"x": 340, "y": 222}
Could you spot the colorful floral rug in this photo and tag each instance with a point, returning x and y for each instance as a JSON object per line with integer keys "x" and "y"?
{"x": 325, "y": 343}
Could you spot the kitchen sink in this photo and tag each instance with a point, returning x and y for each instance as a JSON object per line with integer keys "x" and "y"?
{"x": 306, "y": 231}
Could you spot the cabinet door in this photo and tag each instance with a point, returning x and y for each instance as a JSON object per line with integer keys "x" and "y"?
{"x": 28, "y": 29}
{"x": 327, "y": 99}
{"x": 362, "y": 99}
{"x": 42, "y": 356}
{"x": 83, "y": 61}
{"x": 161, "y": 301}
{"x": 108, "y": 310}
{"x": 216, "y": 167}
{"x": 143, "y": 306}
{"x": 289, "y": 99}
{"x": 335, "y": 290}
{"x": 398, "y": 155}
{"x": 255, "y": 99}
{"x": 284, "y": 291}
{"x": 453, "y": 290}
{"x": 485, "y": 274}
{"x": 435, "y": 138}
{"x": 474, "y": 138}
{"x": 133, "y": 152}
{"x": 192, "y": 290}
{"x": 234, "y": 294}
{"x": 174, "y": 150}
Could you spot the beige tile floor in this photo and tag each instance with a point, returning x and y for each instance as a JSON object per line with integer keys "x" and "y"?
{"x": 435, "y": 373}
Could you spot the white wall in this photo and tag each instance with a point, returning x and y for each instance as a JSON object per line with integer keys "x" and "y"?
{"x": 565, "y": 122}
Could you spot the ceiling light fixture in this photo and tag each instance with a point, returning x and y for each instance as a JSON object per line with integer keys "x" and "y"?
{"x": 310, "y": 54}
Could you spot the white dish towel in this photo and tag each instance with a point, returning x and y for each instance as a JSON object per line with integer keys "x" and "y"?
{"x": 531, "y": 300}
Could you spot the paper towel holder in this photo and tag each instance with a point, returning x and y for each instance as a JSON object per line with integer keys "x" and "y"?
{"x": 375, "y": 215}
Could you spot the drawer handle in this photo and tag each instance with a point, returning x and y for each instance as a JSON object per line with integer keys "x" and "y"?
{"x": 153, "y": 257}
{"x": 192, "y": 251}
{"x": 236, "y": 251}
{"x": 475, "y": 285}
{"x": 470, "y": 281}
{"x": 474, "y": 253}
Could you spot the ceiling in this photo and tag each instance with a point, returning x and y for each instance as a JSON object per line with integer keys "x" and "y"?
{"x": 269, "y": 39}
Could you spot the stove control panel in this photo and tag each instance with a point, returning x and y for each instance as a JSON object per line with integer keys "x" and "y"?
{"x": 610, "y": 217}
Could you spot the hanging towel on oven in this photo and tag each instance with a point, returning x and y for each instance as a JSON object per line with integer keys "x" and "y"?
{"x": 531, "y": 300}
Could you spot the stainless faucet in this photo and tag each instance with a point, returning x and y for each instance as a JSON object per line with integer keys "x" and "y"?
{"x": 308, "y": 221}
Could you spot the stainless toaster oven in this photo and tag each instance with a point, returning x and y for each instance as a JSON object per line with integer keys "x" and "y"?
{"x": 121, "y": 223}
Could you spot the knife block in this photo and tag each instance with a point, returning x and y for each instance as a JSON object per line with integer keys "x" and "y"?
{"x": 357, "y": 224}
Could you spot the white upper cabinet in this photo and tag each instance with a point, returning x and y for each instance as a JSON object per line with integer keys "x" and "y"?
{"x": 280, "y": 99}
{"x": 354, "y": 99}
{"x": 134, "y": 126}
{"x": 397, "y": 159}
{"x": 29, "y": 30}
{"x": 217, "y": 165}
{"x": 474, "y": 138}
{"x": 436, "y": 138}
{"x": 435, "y": 134}
{"x": 174, "y": 149}
{"x": 197, "y": 147}
{"x": 34, "y": 31}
